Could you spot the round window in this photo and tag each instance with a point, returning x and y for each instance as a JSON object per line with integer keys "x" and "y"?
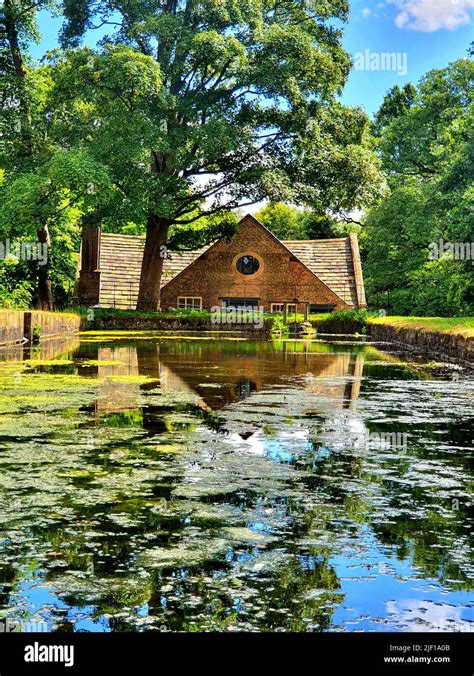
{"x": 248, "y": 265}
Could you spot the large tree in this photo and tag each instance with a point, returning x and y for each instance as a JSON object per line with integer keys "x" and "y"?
{"x": 56, "y": 196}
{"x": 244, "y": 107}
{"x": 427, "y": 150}
{"x": 20, "y": 144}
{"x": 396, "y": 102}
{"x": 47, "y": 187}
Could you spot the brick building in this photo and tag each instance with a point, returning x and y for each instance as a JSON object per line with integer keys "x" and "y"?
{"x": 254, "y": 268}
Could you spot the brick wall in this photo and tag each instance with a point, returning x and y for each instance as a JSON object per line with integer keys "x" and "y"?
{"x": 88, "y": 286}
{"x": 281, "y": 277}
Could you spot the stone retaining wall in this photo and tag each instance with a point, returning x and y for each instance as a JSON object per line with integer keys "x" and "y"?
{"x": 50, "y": 324}
{"x": 435, "y": 345}
{"x": 157, "y": 323}
{"x": 11, "y": 327}
{"x": 32, "y": 326}
{"x": 341, "y": 326}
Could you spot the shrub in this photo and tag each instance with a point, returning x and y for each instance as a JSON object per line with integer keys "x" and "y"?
{"x": 13, "y": 293}
{"x": 343, "y": 321}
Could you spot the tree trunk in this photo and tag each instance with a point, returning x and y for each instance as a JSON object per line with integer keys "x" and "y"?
{"x": 12, "y": 33}
{"x": 45, "y": 294}
{"x": 11, "y": 23}
{"x": 152, "y": 265}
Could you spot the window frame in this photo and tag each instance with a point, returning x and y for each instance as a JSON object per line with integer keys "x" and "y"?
{"x": 186, "y": 299}
{"x": 254, "y": 260}
{"x": 255, "y": 275}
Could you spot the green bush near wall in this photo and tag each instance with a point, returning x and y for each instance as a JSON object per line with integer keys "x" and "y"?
{"x": 342, "y": 321}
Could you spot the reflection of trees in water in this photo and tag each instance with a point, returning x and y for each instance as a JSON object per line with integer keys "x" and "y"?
{"x": 92, "y": 548}
{"x": 434, "y": 545}
{"x": 9, "y": 577}
{"x": 422, "y": 526}
{"x": 211, "y": 596}
{"x": 98, "y": 561}
{"x": 296, "y": 591}
{"x": 281, "y": 586}
{"x": 297, "y": 595}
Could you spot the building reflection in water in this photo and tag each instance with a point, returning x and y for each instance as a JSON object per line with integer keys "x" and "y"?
{"x": 280, "y": 502}
{"x": 219, "y": 379}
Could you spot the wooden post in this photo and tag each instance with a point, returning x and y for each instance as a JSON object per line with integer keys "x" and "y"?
{"x": 306, "y": 312}
{"x": 285, "y": 314}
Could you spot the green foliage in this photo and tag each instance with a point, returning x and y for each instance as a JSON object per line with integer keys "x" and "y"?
{"x": 59, "y": 195}
{"x": 427, "y": 149}
{"x": 282, "y": 220}
{"x": 278, "y": 325}
{"x": 14, "y": 293}
{"x": 350, "y": 315}
{"x": 46, "y": 188}
{"x": 289, "y": 222}
{"x": 193, "y": 113}
{"x": 205, "y": 230}
{"x": 396, "y": 102}
{"x": 342, "y": 321}
{"x": 322, "y": 226}
{"x": 111, "y": 313}
{"x": 36, "y": 333}
{"x": 207, "y": 139}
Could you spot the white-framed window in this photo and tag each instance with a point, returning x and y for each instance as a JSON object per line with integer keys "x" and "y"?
{"x": 189, "y": 303}
{"x": 277, "y": 308}
{"x": 290, "y": 308}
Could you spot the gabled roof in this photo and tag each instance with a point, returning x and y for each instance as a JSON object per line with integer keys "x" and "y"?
{"x": 335, "y": 262}
{"x": 331, "y": 260}
{"x": 120, "y": 266}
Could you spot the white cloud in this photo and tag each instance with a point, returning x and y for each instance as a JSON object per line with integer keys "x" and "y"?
{"x": 432, "y": 15}
{"x": 366, "y": 11}
{"x": 418, "y": 615}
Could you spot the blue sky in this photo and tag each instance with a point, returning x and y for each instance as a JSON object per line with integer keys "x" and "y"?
{"x": 427, "y": 33}
{"x": 431, "y": 33}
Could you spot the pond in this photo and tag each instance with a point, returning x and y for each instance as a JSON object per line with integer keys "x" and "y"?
{"x": 213, "y": 483}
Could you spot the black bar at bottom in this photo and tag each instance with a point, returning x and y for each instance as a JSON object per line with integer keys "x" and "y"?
{"x": 88, "y": 653}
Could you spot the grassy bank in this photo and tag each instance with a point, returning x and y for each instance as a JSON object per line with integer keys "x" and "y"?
{"x": 342, "y": 321}
{"x": 456, "y": 326}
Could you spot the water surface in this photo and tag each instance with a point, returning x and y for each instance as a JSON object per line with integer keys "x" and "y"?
{"x": 219, "y": 484}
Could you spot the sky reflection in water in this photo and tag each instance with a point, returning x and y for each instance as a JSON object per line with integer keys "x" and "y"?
{"x": 159, "y": 483}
